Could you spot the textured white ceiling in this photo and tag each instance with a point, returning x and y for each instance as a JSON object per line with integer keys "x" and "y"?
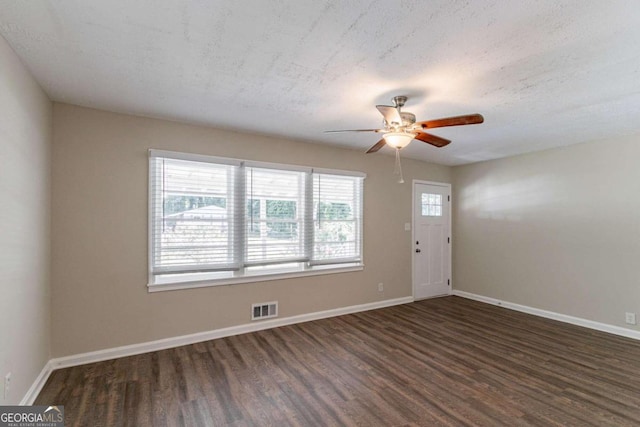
{"x": 543, "y": 73}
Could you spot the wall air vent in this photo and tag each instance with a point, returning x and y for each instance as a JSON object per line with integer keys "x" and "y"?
{"x": 264, "y": 310}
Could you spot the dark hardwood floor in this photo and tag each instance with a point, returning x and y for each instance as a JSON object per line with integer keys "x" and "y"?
{"x": 446, "y": 361}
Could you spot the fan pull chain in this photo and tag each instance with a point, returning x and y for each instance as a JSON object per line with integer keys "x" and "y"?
{"x": 398, "y": 168}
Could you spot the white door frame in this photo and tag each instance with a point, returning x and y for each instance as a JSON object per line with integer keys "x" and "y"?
{"x": 413, "y": 232}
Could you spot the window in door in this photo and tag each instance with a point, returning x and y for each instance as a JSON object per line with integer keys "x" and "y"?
{"x": 431, "y": 204}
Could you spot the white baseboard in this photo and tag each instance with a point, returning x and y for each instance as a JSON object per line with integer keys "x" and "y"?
{"x": 130, "y": 350}
{"x": 616, "y": 330}
{"x": 37, "y": 385}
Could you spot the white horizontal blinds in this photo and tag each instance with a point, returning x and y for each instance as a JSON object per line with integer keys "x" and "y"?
{"x": 274, "y": 216}
{"x": 192, "y": 214}
{"x": 337, "y": 217}
{"x": 211, "y": 214}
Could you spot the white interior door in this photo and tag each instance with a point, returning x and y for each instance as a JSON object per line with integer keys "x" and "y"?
{"x": 431, "y": 240}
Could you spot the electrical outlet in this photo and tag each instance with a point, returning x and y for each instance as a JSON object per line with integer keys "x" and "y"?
{"x": 7, "y": 383}
{"x": 630, "y": 318}
{"x": 380, "y": 287}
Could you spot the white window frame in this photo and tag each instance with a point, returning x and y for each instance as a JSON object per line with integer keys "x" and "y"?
{"x": 250, "y": 273}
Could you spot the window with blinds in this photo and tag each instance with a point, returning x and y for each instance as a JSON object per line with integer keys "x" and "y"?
{"x": 218, "y": 219}
{"x": 274, "y": 222}
{"x": 337, "y": 218}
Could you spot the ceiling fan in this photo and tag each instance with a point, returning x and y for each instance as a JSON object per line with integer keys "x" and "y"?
{"x": 400, "y": 127}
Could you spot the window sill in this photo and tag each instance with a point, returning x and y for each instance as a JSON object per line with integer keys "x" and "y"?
{"x": 176, "y": 283}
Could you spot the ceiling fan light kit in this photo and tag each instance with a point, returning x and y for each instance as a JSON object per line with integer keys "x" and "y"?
{"x": 398, "y": 139}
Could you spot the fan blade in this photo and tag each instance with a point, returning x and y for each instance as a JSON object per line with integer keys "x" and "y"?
{"x": 376, "y": 147}
{"x": 391, "y": 114}
{"x": 432, "y": 139}
{"x": 354, "y": 130}
{"x": 469, "y": 119}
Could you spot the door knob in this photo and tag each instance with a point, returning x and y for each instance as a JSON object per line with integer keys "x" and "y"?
{"x": 418, "y": 251}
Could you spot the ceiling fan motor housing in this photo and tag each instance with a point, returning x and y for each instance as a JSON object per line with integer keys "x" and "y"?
{"x": 408, "y": 119}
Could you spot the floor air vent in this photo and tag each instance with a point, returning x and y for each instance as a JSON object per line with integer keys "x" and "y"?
{"x": 264, "y": 310}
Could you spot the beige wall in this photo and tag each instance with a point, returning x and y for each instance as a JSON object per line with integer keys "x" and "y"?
{"x": 25, "y": 182}
{"x": 557, "y": 230}
{"x": 100, "y": 232}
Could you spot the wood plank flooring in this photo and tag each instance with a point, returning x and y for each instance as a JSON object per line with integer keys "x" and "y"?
{"x": 440, "y": 362}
